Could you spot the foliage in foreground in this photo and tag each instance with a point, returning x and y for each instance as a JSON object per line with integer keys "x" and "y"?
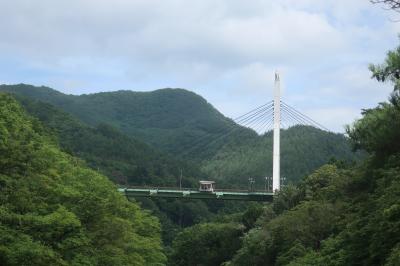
{"x": 56, "y": 211}
{"x": 206, "y": 244}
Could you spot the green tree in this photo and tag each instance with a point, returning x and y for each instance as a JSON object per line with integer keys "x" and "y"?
{"x": 56, "y": 211}
{"x": 206, "y": 244}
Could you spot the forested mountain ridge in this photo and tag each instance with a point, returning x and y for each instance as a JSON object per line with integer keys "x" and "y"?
{"x": 168, "y": 119}
{"x": 56, "y": 211}
{"x": 183, "y": 123}
{"x": 125, "y": 160}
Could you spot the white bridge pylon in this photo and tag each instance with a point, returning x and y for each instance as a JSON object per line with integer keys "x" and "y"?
{"x": 276, "y": 167}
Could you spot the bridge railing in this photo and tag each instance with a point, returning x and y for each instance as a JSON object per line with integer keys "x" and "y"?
{"x": 193, "y": 189}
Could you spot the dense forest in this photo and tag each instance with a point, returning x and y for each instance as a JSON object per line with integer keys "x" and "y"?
{"x": 57, "y": 211}
{"x": 124, "y": 159}
{"x": 303, "y": 149}
{"x": 168, "y": 119}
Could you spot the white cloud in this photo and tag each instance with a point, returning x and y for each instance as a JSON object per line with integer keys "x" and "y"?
{"x": 226, "y": 50}
{"x": 329, "y": 117}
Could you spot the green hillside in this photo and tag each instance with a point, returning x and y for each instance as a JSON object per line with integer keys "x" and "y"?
{"x": 124, "y": 159}
{"x": 303, "y": 149}
{"x": 179, "y": 122}
{"x": 56, "y": 211}
{"x": 168, "y": 119}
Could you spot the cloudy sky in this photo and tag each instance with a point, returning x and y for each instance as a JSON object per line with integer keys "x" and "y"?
{"x": 225, "y": 50}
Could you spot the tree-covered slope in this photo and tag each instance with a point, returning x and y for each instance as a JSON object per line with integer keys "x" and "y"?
{"x": 303, "y": 149}
{"x": 169, "y": 119}
{"x": 124, "y": 159}
{"x": 56, "y": 211}
{"x": 183, "y": 123}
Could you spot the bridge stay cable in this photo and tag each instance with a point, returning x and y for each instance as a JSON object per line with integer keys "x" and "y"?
{"x": 301, "y": 120}
{"x": 269, "y": 127}
{"x": 266, "y": 122}
{"x": 256, "y": 115}
{"x": 256, "y": 119}
{"x": 289, "y": 117}
{"x": 294, "y": 117}
{"x": 243, "y": 119}
{"x": 267, "y": 104}
{"x": 203, "y": 145}
{"x": 298, "y": 116}
{"x": 291, "y": 122}
{"x": 305, "y": 116}
{"x": 267, "y": 115}
{"x": 203, "y": 141}
{"x": 244, "y": 122}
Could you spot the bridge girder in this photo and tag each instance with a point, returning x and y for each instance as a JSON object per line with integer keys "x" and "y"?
{"x": 193, "y": 194}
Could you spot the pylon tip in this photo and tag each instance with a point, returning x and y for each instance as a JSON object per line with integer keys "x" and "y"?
{"x": 276, "y": 75}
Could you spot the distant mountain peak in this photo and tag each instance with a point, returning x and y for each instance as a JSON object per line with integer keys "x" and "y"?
{"x": 169, "y": 118}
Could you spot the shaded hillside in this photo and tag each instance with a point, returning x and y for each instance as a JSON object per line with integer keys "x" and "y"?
{"x": 124, "y": 159}
{"x": 303, "y": 149}
{"x": 168, "y": 119}
{"x": 56, "y": 211}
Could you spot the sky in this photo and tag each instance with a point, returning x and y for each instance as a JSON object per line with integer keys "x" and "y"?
{"x": 227, "y": 51}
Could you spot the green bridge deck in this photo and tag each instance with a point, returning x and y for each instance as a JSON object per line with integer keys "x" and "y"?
{"x": 195, "y": 194}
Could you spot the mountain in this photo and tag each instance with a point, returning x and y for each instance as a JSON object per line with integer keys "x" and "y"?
{"x": 168, "y": 119}
{"x": 185, "y": 125}
{"x": 124, "y": 159}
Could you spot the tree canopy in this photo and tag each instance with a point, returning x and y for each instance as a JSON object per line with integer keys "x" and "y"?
{"x": 56, "y": 211}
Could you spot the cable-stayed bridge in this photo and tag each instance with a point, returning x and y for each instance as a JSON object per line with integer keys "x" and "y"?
{"x": 271, "y": 116}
